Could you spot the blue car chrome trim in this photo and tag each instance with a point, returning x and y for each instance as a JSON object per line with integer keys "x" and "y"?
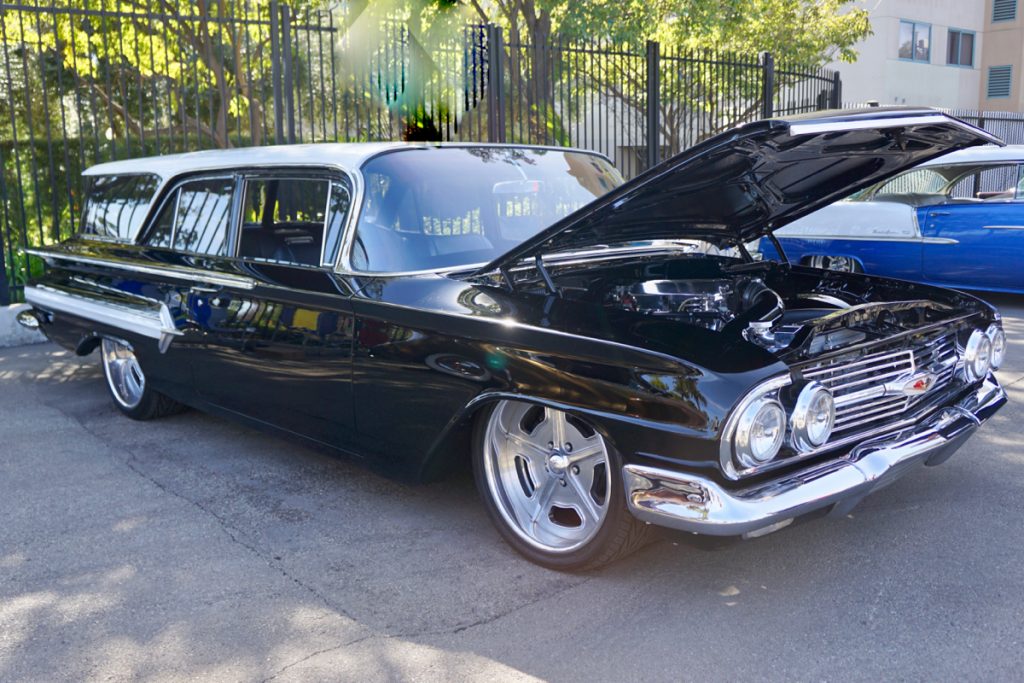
{"x": 699, "y": 505}
{"x": 154, "y": 322}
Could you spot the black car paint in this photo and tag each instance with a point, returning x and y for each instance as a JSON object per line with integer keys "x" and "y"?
{"x": 392, "y": 369}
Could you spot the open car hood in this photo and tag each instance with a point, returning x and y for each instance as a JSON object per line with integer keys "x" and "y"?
{"x": 749, "y": 181}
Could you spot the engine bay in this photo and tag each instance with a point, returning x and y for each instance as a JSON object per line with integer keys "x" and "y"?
{"x": 789, "y": 311}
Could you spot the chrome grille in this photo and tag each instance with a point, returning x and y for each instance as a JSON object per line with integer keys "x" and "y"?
{"x": 859, "y": 385}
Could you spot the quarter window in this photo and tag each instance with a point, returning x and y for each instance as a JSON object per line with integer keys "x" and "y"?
{"x": 960, "y": 50}
{"x": 293, "y": 220}
{"x": 915, "y": 41}
{"x": 115, "y": 206}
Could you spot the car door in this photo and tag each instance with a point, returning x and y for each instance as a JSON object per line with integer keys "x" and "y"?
{"x": 976, "y": 240}
{"x": 274, "y": 345}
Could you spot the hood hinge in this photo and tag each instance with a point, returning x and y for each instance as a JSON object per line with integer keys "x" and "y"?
{"x": 549, "y": 284}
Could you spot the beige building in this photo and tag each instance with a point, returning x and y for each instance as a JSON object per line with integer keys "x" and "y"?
{"x": 965, "y": 54}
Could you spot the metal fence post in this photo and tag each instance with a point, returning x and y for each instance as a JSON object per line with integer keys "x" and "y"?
{"x": 275, "y": 71}
{"x": 767, "y": 85}
{"x": 495, "y": 84}
{"x": 286, "y": 71}
{"x": 653, "y": 103}
{"x": 836, "y": 102}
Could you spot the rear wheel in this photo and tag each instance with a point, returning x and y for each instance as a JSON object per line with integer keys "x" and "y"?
{"x": 553, "y": 487}
{"x": 127, "y": 384}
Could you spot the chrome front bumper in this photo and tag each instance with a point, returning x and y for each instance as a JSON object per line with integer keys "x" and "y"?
{"x": 698, "y": 505}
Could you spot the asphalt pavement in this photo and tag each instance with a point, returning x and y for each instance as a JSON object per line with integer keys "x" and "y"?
{"x": 194, "y": 548}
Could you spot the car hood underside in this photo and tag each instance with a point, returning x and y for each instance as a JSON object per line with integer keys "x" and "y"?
{"x": 740, "y": 185}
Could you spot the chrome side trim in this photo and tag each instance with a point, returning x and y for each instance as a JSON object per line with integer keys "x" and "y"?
{"x": 695, "y": 504}
{"x": 872, "y": 238}
{"x": 179, "y": 273}
{"x": 1004, "y": 227}
{"x": 154, "y": 322}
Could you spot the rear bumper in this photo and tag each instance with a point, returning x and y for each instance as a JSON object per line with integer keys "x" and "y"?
{"x": 698, "y": 505}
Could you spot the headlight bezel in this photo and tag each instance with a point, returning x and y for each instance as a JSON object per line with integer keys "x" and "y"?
{"x": 757, "y": 412}
{"x": 977, "y": 356}
{"x": 802, "y": 437}
{"x": 730, "y": 465}
{"x": 997, "y": 337}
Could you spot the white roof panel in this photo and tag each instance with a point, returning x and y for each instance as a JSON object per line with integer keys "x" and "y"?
{"x": 343, "y": 155}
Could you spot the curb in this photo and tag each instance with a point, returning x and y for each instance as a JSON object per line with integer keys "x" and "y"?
{"x": 12, "y": 333}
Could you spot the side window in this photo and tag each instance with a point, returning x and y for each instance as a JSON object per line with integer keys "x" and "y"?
{"x": 203, "y": 215}
{"x": 293, "y": 220}
{"x": 115, "y": 206}
{"x": 991, "y": 183}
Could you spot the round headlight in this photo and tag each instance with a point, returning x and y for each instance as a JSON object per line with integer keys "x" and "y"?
{"x": 977, "y": 356}
{"x": 996, "y": 335}
{"x": 759, "y": 432}
{"x": 813, "y": 417}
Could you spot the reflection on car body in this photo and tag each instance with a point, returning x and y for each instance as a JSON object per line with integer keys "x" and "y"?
{"x": 603, "y": 355}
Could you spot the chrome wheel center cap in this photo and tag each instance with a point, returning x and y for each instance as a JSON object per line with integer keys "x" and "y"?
{"x": 558, "y": 463}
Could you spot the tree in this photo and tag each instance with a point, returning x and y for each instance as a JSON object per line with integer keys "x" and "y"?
{"x": 799, "y": 33}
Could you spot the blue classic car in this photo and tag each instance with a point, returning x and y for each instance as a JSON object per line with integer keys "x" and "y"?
{"x": 956, "y": 221}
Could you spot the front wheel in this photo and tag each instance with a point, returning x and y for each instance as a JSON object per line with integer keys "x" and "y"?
{"x": 553, "y": 487}
{"x": 127, "y": 384}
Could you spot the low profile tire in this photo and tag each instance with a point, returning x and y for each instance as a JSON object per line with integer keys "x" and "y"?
{"x": 553, "y": 487}
{"x": 128, "y": 387}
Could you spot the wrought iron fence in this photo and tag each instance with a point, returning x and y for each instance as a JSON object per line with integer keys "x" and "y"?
{"x": 87, "y": 81}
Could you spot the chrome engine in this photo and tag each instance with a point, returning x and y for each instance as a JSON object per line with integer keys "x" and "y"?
{"x": 744, "y": 304}
{"x": 709, "y": 303}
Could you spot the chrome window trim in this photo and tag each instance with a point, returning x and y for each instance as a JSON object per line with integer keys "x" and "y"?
{"x": 327, "y": 220}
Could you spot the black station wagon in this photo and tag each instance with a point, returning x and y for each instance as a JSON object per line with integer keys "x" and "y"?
{"x": 605, "y": 356}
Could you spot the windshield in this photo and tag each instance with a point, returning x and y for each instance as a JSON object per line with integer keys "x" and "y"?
{"x": 432, "y": 208}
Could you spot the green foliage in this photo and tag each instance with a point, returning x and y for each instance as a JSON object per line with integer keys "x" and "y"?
{"x": 806, "y": 32}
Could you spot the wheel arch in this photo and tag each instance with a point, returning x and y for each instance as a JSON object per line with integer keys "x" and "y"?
{"x": 452, "y": 448}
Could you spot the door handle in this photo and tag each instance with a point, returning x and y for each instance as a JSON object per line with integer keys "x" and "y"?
{"x": 939, "y": 213}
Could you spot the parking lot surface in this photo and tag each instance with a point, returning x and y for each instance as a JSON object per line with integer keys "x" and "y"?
{"x": 191, "y": 547}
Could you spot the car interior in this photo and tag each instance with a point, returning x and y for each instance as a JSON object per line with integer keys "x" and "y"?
{"x": 283, "y": 219}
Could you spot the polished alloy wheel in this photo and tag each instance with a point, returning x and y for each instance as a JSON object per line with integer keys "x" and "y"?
{"x": 127, "y": 383}
{"x": 549, "y": 474}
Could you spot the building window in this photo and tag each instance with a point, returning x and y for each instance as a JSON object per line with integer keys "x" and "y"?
{"x": 1004, "y": 10}
{"x": 960, "y": 48}
{"x": 915, "y": 41}
{"x": 999, "y": 78}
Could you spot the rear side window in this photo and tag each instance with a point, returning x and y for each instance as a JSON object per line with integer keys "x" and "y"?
{"x": 115, "y": 206}
{"x": 195, "y": 217}
{"x": 293, "y": 220}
